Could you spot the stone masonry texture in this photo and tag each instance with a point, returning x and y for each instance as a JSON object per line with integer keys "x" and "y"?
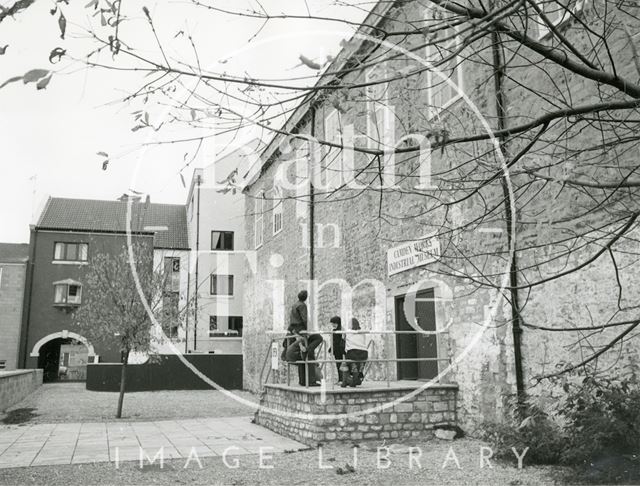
{"x": 414, "y": 416}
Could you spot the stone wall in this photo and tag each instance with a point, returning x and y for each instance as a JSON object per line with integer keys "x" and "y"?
{"x": 555, "y": 235}
{"x": 416, "y": 416}
{"x": 12, "y": 280}
{"x": 15, "y": 385}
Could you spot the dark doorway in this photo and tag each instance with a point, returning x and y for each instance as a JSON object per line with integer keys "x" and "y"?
{"x": 417, "y": 345}
{"x": 63, "y": 360}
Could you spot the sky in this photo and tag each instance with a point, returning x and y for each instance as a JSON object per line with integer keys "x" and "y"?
{"x": 49, "y": 138}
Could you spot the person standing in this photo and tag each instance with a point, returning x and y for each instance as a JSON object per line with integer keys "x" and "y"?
{"x": 337, "y": 343}
{"x": 298, "y": 323}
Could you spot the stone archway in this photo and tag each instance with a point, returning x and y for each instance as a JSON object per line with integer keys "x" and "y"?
{"x": 63, "y": 356}
{"x": 35, "y": 352}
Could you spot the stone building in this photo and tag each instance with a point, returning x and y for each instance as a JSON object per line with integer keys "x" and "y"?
{"x": 429, "y": 250}
{"x": 13, "y": 264}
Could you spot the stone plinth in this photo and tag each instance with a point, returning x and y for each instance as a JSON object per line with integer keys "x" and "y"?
{"x": 372, "y": 411}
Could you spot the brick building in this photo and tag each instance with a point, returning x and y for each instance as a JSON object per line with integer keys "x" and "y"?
{"x": 68, "y": 235}
{"x": 401, "y": 255}
{"x": 13, "y": 264}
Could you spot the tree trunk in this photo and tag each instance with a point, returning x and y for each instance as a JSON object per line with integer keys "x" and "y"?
{"x": 123, "y": 382}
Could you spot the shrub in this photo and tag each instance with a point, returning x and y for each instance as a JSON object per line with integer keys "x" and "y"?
{"x": 603, "y": 429}
{"x": 536, "y": 431}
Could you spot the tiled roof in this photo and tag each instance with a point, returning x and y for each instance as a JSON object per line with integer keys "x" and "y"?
{"x": 168, "y": 222}
{"x": 14, "y": 252}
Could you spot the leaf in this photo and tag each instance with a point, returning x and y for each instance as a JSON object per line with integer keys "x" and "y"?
{"x": 92, "y": 3}
{"x": 102, "y": 154}
{"x": 105, "y": 164}
{"x": 103, "y": 20}
{"x": 193, "y": 114}
{"x": 57, "y": 52}
{"x": 34, "y": 75}
{"x": 62, "y": 23}
{"x": 3, "y": 50}
{"x": 184, "y": 184}
{"x": 42, "y": 84}
{"x": 309, "y": 63}
{"x": 146, "y": 12}
{"x": 10, "y": 80}
{"x": 53, "y": 10}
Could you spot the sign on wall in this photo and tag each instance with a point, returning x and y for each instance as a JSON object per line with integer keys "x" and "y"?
{"x": 412, "y": 254}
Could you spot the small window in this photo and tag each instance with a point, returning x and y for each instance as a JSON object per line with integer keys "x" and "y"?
{"x": 3, "y": 364}
{"x": 222, "y": 240}
{"x": 67, "y": 293}
{"x": 444, "y": 56}
{"x": 70, "y": 252}
{"x": 225, "y": 326}
{"x": 221, "y": 284}
{"x": 278, "y": 209}
{"x": 379, "y": 116}
{"x": 258, "y": 220}
{"x": 172, "y": 274}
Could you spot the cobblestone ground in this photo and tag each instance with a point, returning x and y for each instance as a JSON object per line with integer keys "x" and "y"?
{"x": 71, "y": 402}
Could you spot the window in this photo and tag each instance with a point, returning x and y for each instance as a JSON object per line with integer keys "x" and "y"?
{"x": 379, "y": 120}
{"x": 331, "y": 165}
{"x": 222, "y": 240}
{"x": 172, "y": 274}
{"x": 258, "y": 226}
{"x": 446, "y": 61}
{"x": 558, "y": 12}
{"x": 225, "y": 326}
{"x": 170, "y": 311}
{"x": 221, "y": 284}
{"x": 67, "y": 292}
{"x": 3, "y": 364}
{"x": 278, "y": 203}
{"x": 70, "y": 252}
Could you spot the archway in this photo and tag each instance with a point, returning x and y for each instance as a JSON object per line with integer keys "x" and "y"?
{"x": 63, "y": 356}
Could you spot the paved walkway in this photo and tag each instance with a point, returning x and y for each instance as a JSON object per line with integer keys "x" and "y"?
{"x": 76, "y": 443}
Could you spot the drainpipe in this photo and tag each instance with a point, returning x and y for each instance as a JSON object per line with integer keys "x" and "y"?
{"x": 195, "y": 313}
{"x": 499, "y": 70}
{"x": 311, "y": 207}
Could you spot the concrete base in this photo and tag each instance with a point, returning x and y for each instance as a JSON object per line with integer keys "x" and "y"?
{"x": 374, "y": 410}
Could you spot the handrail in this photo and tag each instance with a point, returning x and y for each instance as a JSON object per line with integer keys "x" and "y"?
{"x": 278, "y": 335}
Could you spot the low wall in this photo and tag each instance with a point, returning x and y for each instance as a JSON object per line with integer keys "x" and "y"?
{"x": 168, "y": 372}
{"x": 416, "y": 416}
{"x": 15, "y": 385}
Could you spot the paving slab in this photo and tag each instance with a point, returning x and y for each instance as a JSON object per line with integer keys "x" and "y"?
{"x": 83, "y": 443}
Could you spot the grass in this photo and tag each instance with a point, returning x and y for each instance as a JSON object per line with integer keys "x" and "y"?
{"x": 71, "y": 402}
{"x": 303, "y": 468}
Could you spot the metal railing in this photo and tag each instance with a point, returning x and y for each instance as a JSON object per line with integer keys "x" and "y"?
{"x": 322, "y": 348}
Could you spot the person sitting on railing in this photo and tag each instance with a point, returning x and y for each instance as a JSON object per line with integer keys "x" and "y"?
{"x": 337, "y": 343}
{"x": 357, "y": 355}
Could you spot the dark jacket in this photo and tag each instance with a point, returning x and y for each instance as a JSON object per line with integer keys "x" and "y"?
{"x": 337, "y": 345}
{"x": 298, "y": 317}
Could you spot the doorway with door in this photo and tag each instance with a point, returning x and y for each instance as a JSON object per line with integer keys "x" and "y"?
{"x": 415, "y": 316}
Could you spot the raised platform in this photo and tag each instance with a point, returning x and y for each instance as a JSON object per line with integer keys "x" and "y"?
{"x": 374, "y": 410}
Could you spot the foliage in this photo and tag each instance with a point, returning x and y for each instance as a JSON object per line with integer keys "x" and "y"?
{"x": 604, "y": 429}
{"x": 112, "y": 309}
{"x": 536, "y": 431}
{"x": 599, "y": 436}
